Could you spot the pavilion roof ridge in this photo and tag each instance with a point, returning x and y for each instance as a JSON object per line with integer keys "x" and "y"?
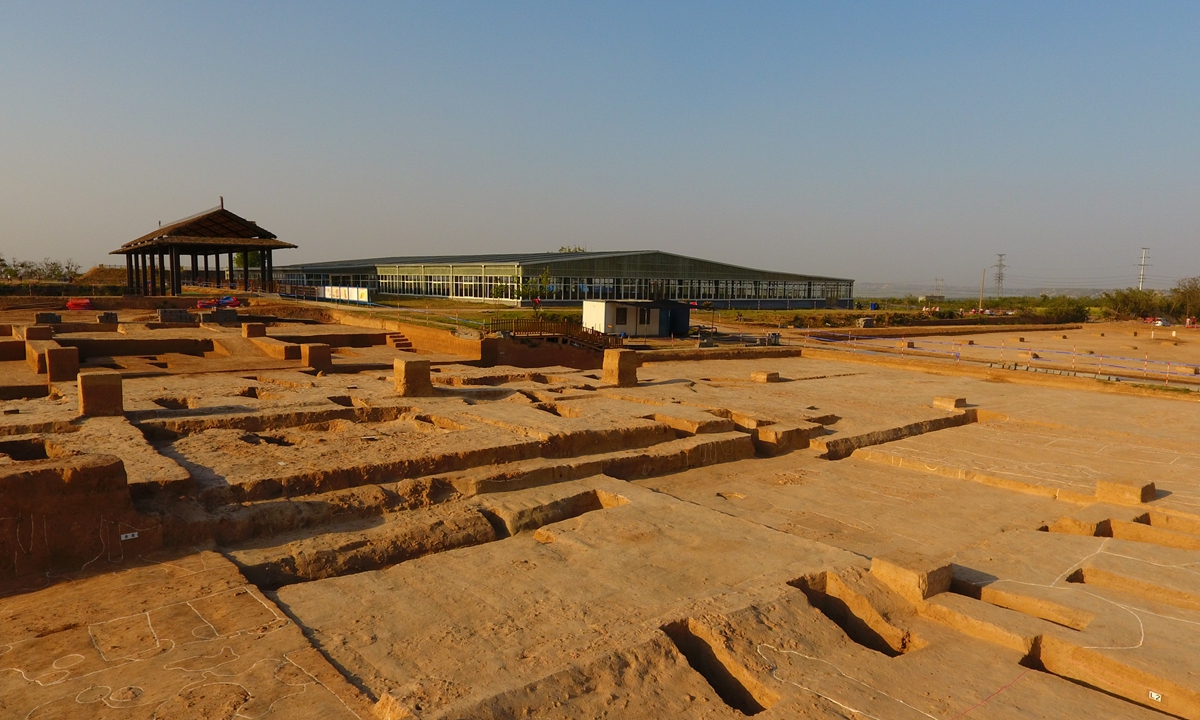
{"x": 216, "y": 226}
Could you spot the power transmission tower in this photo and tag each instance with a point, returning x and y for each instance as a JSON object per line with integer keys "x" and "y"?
{"x": 1000, "y": 274}
{"x": 1142, "y": 269}
{"x": 939, "y": 285}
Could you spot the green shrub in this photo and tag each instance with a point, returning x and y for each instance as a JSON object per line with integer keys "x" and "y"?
{"x": 1064, "y": 309}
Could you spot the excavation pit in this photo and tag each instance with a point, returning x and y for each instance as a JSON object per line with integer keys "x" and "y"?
{"x": 510, "y": 541}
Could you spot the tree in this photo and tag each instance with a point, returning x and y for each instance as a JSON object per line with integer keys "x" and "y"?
{"x": 572, "y": 249}
{"x": 535, "y": 287}
{"x": 524, "y": 288}
{"x": 255, "y": 260}
{"x": 503, "y": 290}
{"x": 1185, "y": 296}
{"x": 1064, "y": 309}
{"x": 1131, "y": 302}
{"x": 47, "y": 269}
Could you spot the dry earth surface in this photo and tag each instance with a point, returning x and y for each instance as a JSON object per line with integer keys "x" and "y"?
{"x": 251, "y": 536}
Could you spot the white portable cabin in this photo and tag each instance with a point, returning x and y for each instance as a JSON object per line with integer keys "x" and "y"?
{"x": 637, "y": 318}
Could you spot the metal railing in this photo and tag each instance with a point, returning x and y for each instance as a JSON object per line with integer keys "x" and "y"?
{"x": 304, "y": 292}
{"x": 547, "y": 328}
{"x": 255, "y": 285}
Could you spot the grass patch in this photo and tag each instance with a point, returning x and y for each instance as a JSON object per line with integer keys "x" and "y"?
{"x": 1163, "y": 388}
{"x": 431, "y": 303}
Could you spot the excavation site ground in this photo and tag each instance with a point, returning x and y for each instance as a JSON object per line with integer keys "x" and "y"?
{"x": 287, "y": 514}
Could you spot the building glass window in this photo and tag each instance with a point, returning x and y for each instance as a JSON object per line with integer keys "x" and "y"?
{"x": 668, "y": 282}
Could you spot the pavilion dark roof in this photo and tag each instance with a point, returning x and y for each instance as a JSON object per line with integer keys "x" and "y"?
{"x": 215, "y": 228}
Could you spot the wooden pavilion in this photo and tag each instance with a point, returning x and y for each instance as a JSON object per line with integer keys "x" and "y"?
{"x": 153, "y": 261}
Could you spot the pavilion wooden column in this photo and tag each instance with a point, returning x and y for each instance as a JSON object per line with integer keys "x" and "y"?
{"x": 269, "y": 283}
{"x": 217, "y": 268}
{"x": 128, "y": 273}
{"x": 138, "y": 274}
{"x": 262, "y": 271}
{"x": 153, "y": 275}
{"x": 162, "y": 272}
{"x": 192, "y": 279}
{"x": 245, "y": 270}
{"x": 232, "y": 277}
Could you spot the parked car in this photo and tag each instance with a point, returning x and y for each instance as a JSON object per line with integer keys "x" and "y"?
{"x": 1162, "y": 322}
{"x": 79, "y": 304}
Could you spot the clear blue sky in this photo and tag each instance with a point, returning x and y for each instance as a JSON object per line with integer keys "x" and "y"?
{"x": 884, "y": 141}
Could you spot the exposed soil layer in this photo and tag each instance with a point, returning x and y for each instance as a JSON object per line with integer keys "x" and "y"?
{"x": 252, "y": 537}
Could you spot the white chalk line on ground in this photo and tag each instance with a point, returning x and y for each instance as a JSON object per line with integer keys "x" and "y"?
{"x": 774, "y": 674}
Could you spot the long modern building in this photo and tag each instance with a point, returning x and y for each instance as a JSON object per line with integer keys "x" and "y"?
{"x": 560, "y": 278}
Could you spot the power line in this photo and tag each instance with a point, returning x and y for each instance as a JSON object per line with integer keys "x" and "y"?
{"x": 1000, "y": 274}
{"x": 1083, "y": 278}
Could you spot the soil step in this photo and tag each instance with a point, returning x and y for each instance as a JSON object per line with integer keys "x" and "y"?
{"x": 362, "y": 545}
{"x": 189, "y": 522}
{"x": 661, "y": 459}
{"x": 399, "y": 341}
